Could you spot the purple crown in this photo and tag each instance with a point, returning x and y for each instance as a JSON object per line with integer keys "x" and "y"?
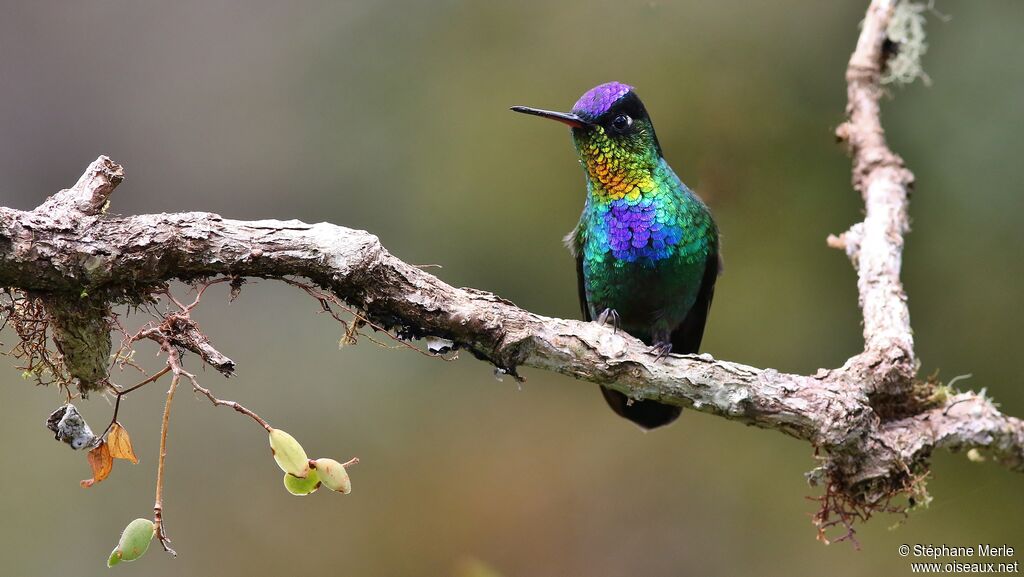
{"x": 600, "y": 98}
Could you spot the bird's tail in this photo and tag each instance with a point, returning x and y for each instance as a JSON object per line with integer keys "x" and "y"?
{"x": 647, "y": 414}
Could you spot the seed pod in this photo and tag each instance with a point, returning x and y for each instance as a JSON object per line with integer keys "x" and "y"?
{"x": 289, "y": 454}
{"x": 134, "y": 542}
{"x": 300, "y": 487}
{"x": 333, "y": 475}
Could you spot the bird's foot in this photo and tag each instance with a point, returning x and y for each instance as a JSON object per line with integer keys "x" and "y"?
{"x": 660, "y": 350}
{"x": 609, "y": 315}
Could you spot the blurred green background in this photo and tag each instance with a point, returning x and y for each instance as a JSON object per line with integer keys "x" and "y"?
{"x": 392, "y": 116}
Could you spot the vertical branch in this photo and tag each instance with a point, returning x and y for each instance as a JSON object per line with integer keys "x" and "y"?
{"x": 158, "y": 505}
{"x": 876, "y": 245}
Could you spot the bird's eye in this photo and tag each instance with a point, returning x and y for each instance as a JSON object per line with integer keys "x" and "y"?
{"x": 622, "y": 122}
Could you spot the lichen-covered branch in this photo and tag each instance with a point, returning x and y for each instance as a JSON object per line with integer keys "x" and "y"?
{"x": 130, "y": 256}
{"x": 124, "y": 258}
{"x": 872, "y": 421}
{"x": 964, "y": 421}
{"x": 81, "y": 330}
{"x": 876, "y": 245}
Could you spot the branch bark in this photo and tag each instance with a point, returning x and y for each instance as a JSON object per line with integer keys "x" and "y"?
{"x": 876, "y": 245}
{"x": 873, "y": 421}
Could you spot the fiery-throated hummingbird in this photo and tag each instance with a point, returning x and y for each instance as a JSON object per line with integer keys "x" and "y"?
{"x": 646, "y": 246}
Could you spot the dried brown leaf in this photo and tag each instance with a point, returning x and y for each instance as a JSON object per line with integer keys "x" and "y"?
{"x": 101, "y": 463}
{"x": 121, "y": 444}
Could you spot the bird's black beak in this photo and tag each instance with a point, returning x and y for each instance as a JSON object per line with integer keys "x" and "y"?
{"x": 563, "y": 117}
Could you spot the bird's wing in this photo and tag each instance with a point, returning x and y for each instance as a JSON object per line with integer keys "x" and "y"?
{"x": 574, "y": 242}
{"x": 687, "y": 336}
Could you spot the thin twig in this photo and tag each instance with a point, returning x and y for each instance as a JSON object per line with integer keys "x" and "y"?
{"x": 158, "y": 506}
{"x": 351, "y": 328}
{"x": 202, "y": 289}
{"x": 121, "y": 393}
{"x": 219, "y": 402}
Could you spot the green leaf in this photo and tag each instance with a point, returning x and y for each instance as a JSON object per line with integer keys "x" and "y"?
{"x": 301, "y": 487}
{"x": 333, "y": 475}
{"x": 288, "y": 453}
{"x": 115, "y": 558}
{"x": 134, "y": 541}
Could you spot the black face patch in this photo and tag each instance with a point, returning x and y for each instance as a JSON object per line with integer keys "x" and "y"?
{"x": 629, "y": 106}
{"x": 627, "y": 122}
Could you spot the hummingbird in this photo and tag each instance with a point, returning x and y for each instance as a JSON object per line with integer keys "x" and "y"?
{"x": 646, "y": 246}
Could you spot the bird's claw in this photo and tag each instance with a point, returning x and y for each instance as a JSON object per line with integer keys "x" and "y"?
{"x": 660, "y": 350}
{"x": 609, "y": 315}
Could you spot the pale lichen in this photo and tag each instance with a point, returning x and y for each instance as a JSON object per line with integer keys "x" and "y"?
{"x": 906, "y": 44}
